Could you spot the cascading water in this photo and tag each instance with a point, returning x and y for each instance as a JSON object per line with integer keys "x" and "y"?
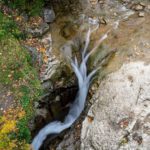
{"x": 77, "y": 107}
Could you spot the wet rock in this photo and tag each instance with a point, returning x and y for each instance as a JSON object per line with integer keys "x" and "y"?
{"x": 71, "y": 140}
{"x": 141, "y": 14}
{"x": 38, "y": 31}
{"x": 39, "y": 122}
{"x": 120, "y": 110}
{"x": 49, "y": 15}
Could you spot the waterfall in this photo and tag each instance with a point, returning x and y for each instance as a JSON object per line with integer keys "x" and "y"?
{"x": 77, "y": 107}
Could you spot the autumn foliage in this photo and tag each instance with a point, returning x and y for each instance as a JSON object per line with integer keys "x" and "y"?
{"x": 19, "y": 87}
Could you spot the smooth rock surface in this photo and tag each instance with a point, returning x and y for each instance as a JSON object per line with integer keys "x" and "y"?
{"x": 66, "y": 49}
{"x": 121, "y": 111}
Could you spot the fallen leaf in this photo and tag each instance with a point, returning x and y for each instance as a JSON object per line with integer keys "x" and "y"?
{"x": 45, "y": 59}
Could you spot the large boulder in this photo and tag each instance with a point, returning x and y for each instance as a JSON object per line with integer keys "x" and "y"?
{"x": 120, "y": 115}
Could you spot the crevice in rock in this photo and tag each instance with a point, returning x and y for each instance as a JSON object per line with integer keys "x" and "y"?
{"x": 54, "y": 106}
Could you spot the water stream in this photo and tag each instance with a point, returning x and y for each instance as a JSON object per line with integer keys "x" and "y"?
{"x": 77, "y": 107}
{"x": 84, "y": 80}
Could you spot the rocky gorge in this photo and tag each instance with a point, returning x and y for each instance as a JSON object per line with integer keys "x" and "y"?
{"x": 117, "y": 111}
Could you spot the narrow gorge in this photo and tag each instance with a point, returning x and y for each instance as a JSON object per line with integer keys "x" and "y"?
{"x": 74, "y": 75}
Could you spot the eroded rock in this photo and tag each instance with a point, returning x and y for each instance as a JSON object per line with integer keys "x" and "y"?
{"x": 120, "y": 111}
{"x": 52, "y": 63}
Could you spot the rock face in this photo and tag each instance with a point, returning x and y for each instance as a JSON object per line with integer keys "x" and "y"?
{"x": 121, "y": 111}
{"x": 66, "y": 49}
{"x": 50, "y": 66}
{"x": 38, "y": 31}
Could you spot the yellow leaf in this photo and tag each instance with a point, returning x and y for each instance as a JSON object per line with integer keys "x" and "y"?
{"x": 42, "y": 49}
{"x": 45, "y": 59}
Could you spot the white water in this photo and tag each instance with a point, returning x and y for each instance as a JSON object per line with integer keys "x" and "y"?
{"x": 77, "y": 107}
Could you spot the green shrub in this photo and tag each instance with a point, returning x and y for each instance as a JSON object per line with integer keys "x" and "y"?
{"x": 23, "y": 130}
{"x": 9, "y": 27}
{"x": 32, "y": 7}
